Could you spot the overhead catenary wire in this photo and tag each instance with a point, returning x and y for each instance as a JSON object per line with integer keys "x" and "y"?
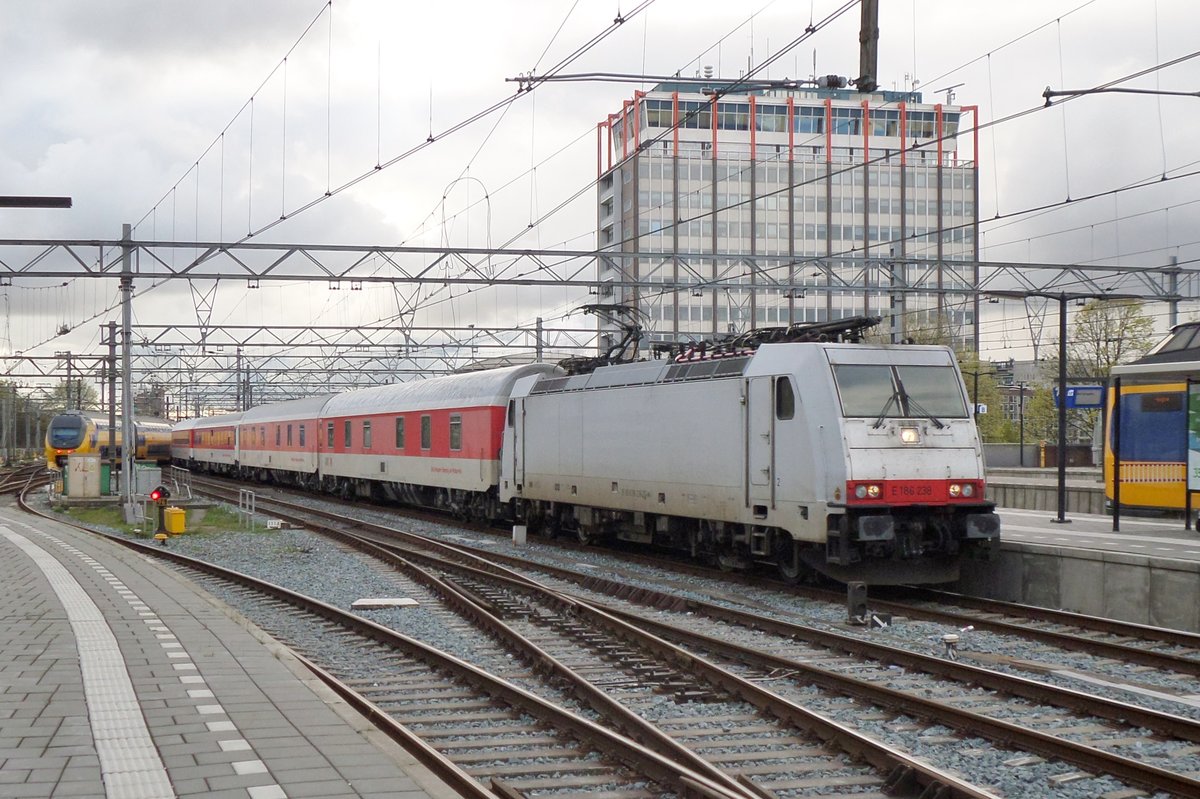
{"x": 1006, "y": 216}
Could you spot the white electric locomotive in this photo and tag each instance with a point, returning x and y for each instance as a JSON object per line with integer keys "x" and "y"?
{"x": 856, "y": 461}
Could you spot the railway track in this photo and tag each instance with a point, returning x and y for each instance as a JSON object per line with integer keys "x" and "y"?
{"x": 484, "y": 734}
{"x": 1154, "y": 647}
{"x": 19, "y": 478}
{"x": 1077, "y": 728}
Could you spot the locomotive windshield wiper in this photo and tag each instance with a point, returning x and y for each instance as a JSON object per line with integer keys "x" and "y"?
{"x": 919, "y": 408}
{"x": 883, "y": 413}
{"x": 910, "y": 402}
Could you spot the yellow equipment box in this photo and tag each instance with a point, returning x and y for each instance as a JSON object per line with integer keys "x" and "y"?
{"x": 173, "y": 520}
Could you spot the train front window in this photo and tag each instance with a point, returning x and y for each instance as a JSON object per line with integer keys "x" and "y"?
{"x": 66, "y": 432}
{"x": 933, "y": 391}
{"x": 865, "y": 390}
{"x": 900, "y": 392}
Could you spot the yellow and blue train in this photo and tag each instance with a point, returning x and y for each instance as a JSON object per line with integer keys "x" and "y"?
{"x": 1153, "y": 423}
{"x": 87, "y": 432}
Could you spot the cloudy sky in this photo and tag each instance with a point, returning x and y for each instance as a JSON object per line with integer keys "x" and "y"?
{"x": 142, "y": 112}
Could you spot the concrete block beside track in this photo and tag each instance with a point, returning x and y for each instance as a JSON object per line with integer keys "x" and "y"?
{"x": 1144, "y": 590}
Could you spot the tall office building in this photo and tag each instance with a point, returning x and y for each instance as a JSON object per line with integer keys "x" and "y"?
{"x": 821, "y": 203}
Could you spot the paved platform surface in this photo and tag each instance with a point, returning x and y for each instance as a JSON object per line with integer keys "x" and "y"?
{"x": 120, "y": 679}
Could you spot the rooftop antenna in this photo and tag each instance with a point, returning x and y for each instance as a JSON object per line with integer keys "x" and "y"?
{"x": 949, "y": 90}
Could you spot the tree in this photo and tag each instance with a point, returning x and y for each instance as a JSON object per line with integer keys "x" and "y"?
{"x": 1107, "y": 333}
{"x": 980, "y": 375}
{"x": 79, "y": 396}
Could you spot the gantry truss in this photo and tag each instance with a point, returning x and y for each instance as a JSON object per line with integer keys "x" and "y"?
{"x": 351, "y": 266}
{"x": 229, "y": 365}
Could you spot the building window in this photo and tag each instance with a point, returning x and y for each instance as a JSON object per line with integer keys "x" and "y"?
{"x": 456, "y": 432}
{"x": 695, "y": 114}
{"x": 809, "y": 119}
{"x": 400, "y": 433}
{"x": 657, "y": 113}
{"x": 426, "y": 432}
{"x": 771, "y": 118}
{"x": 847, "y": 121}
{"x": 346, "y": 437}
{"x": 733, "y": 116}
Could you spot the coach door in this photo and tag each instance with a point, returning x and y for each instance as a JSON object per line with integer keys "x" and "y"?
{"x": 760, "y": 443}
{"x": 516, "y": 422}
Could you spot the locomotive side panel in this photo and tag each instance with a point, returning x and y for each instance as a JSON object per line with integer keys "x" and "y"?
{"x": 672, "y": 449}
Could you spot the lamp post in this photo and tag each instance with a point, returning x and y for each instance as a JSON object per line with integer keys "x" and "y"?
{"x": 975, "y": 388}
{"x": 1062, "y": 298}
{"x": 1021, "y": 421}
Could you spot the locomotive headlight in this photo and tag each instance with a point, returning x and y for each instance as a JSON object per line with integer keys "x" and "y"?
{"x": 910, "y": 435}
{"x": 955, "y": 489}
{"x": 867, "y": 491}
{"x": 968, "y": 490}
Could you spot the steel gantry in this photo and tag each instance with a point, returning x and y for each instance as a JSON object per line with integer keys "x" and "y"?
{"x": 227, "y": 365}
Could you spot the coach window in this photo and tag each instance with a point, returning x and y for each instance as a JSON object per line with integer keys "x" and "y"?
{"x": 400, "y": 433}
{"x": 785, "y": 399}
{"x": 289, "y": 435}
{"x": 367, "y": 434}
{"x": 426, "y": 432}
{"x": 302, "y": 434}
{"x": 456, "y": 431}
{"x": 346, "y": 437}
{"x": 278, "y": 432}
{"x": 329, "y": 435}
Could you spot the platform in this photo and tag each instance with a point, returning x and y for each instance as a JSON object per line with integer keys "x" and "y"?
{"x": 120, "y": 679}
{"x": 1146, "y": 572}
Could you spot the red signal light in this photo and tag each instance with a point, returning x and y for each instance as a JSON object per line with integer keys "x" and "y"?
{"x": 159, "y": 494}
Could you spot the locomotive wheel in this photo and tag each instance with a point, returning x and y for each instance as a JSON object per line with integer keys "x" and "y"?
{"x": 584, "y": 535}
{"x": 787, "y": 560}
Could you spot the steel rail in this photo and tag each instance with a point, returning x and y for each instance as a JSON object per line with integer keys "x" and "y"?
{"x": 906, "y": 775}
{"x": 1086, "y": 757}
{"x": 647, "y": 761}
{"x": 1146, "y": 632}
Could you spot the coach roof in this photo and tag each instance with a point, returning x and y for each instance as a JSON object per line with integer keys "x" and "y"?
{"x": 472, "y": 389}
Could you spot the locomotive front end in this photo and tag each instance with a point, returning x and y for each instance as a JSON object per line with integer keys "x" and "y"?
{"x": 910, "y": 501}
{"x": 67, "y": 433}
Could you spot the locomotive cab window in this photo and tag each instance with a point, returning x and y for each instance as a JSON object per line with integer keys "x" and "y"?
{"x": 426, "y": 432}
{"x": 512, "y": 413}
{"x": 367, "y": 434}
{"x": 456, "y": 431}
{"x": 785, "y": 399}
{"x": 400, "y": 433}
{"x": 899, "y": 392}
